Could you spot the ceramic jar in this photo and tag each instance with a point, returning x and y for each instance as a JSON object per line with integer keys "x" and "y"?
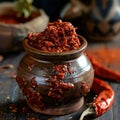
{"x": 12, "y": 35}
{"x": 37, "y": 78}
{"x": 103, "y": 20}
{"x": 97, "y": 20}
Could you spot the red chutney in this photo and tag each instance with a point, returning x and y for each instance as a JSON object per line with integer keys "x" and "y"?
{"x": 58, "y": 37}
{"x": 12, "y": 18}
{"x": 8, "y": 19}
{"x": 56, "y": 83}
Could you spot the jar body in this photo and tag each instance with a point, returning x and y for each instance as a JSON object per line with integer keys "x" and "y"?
{"x": 33, "y": 76}
{"x": 97, "y": 20}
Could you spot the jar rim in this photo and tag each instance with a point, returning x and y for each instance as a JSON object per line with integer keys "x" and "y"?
{"x": 62, "y": 55}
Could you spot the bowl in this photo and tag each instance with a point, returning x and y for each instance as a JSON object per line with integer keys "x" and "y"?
{"x": 12, "y": 35}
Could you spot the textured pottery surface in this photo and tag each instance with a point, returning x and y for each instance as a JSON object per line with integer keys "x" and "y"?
{"x": 98, "y": 19}
{"x": 39, "y": 65}
{"x": 11, "y": 36}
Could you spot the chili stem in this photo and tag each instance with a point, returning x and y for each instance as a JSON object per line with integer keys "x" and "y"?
{"x": 89, "y": 111}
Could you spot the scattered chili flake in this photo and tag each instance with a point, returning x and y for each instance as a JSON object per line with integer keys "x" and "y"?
{"x": 109, "y": 57}
{"x": 34, "y": 83}
{"x": 25, "y": 109}
{"x": 30, "y": 66}
{"x": 58, "y": 37}
{"x": 14, "y": 76}
{"x": 49, "y": 118}
{"x": 85, "y": 88}
{"x": 66, "y": 86}
{"x": 32, "y": 118}
{"x": 13, "y": 108}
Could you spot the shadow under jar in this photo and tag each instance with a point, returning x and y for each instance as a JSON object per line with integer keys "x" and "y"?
{"x": 55, "y": 83}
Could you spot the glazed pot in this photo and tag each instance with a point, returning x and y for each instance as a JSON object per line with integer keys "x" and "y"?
{"x": 103, "y": 22}
{"x": 12, "y": 35}
{"x": 99, "y": 20}
{"x": 37, "y": 79}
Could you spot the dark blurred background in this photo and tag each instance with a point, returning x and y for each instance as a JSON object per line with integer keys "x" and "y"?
{"x": 51, "y": 7}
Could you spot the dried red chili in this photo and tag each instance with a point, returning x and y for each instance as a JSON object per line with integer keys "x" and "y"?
{"x": 57, "y": 37}
{"x": 103, "y": 71}
{"x": 103, "y": 101}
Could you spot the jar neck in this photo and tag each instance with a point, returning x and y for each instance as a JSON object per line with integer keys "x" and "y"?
{"x": 52, "y": 56}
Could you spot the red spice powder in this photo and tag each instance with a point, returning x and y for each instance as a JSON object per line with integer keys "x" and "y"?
{"x": 58, "y": 37}
{"x": 109, "y": 57}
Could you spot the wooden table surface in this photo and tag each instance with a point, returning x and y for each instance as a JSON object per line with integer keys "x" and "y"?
{"x": 14, "y": 107}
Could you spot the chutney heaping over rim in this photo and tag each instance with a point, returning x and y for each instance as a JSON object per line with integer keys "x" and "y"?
{"x": 58, "y": 39}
